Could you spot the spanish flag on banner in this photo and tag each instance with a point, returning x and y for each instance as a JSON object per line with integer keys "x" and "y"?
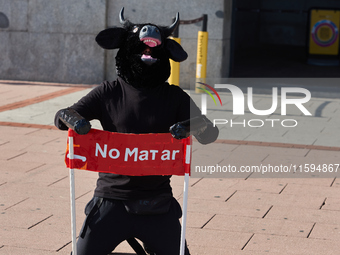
{"x": 129, "y": 154}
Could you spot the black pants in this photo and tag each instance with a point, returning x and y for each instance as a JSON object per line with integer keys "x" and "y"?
{"x": 110, "y": 224}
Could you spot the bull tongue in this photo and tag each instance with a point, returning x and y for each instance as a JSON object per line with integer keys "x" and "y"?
{"x": 146, "y": 57}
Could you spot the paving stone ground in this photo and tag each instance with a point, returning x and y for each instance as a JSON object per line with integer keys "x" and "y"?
{"x": 228, "y": 213}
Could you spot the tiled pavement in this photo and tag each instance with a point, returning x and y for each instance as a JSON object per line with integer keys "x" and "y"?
{"x": 244, "y": 214}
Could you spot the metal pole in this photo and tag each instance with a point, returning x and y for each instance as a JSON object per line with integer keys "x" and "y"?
{"x": 175, "y": 66}
{"x": 185, "y": 198}
{"x": 202, "y": 54}
{"x": 205, "y": 23}
{"x": 184, "y": 217}
{"x": 73, "y": 200}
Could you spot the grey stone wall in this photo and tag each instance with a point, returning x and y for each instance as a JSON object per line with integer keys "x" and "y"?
{"x": 53, "y": 41}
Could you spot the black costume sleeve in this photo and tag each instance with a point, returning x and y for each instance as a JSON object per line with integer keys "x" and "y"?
{"x": 88, "y": 107}
{"x": 210, "y": 133}
{"x": 200, "y": 127}
{"x": 58, "y": 123}
{"x": 205, "y": 133}
{"x": 72, "y": 119}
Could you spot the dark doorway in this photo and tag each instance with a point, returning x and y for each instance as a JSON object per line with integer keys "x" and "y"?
{"x": 269, "y": 39}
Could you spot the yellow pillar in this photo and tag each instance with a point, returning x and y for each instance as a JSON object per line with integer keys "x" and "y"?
{"x": 175, "y": 67}
{"x": 201, "y": 62}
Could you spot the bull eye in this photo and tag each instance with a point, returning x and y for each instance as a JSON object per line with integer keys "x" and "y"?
{"x": 135, "y": 29}
{"x": 157, "y": 31}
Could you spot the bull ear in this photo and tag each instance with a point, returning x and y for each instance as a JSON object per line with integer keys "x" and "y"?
{"x": 111, "y": 38}
{"x": 175, "y": 50}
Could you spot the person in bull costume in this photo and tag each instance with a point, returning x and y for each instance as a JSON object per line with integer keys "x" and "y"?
{"x": 138, "y": 101}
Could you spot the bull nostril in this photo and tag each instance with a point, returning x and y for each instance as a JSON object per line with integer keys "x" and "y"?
{"x": 144, "y": 29}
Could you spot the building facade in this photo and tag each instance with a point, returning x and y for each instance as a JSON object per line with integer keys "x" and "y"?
{"x": 53, "y": 41}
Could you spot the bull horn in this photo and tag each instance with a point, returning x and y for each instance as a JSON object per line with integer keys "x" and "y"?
{"x": 121, "y": 17}
{"x": 170, "y": 29}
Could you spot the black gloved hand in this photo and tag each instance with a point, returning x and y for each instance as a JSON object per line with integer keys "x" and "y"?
{"x": 75, "y": 121}
{"x": 194, "y": 126}
{"x": 180, "y": 130}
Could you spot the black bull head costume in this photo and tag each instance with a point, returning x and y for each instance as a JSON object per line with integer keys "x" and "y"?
{"x": 144, "y": 51}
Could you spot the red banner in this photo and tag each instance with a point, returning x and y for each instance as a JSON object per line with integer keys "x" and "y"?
{"x": 129, "y": 154}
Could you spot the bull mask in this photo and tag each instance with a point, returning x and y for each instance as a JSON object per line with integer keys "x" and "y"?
{"x": 150, "y": 34}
